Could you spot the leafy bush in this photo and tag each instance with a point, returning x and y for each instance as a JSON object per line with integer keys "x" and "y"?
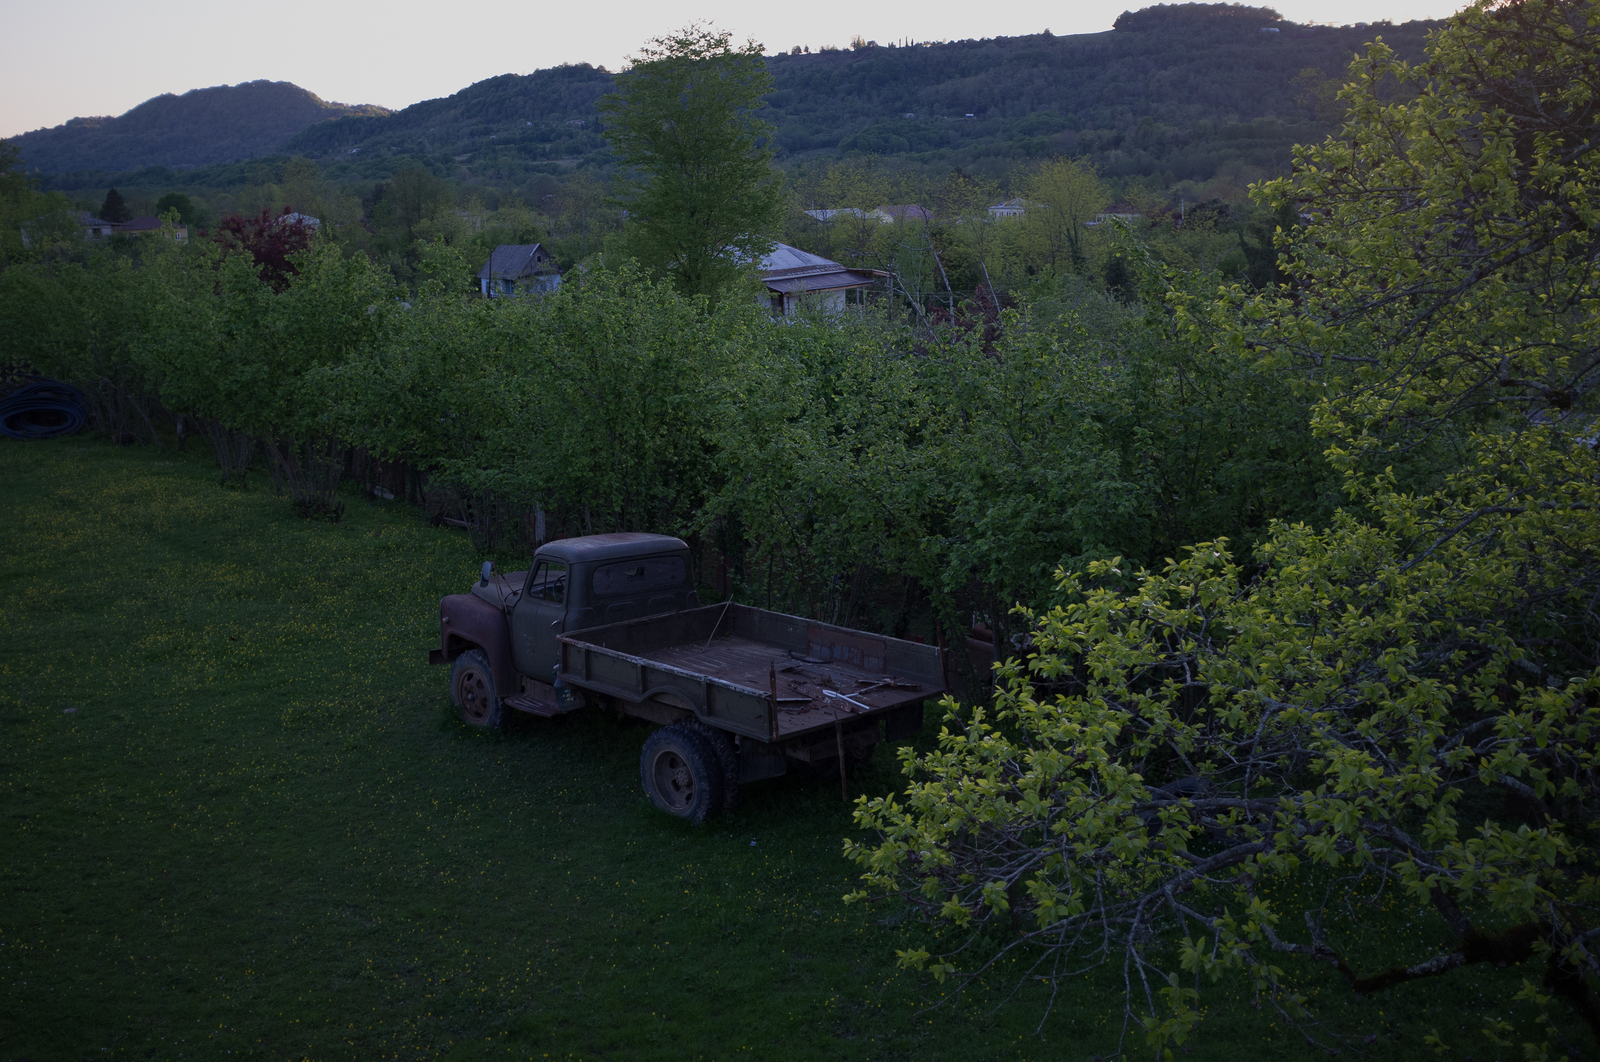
{"x": 1170, "y": 759}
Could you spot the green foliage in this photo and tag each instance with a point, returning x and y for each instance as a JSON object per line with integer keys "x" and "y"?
{"x": 1196, "y": 18}
{"x": 115, "y": 208}
{"x": 415, "y": 203}
{"x": 414, "y": 195}
{"x": 85, "y": 319}
{"x": 1081, "y": 432}
{"x": 181, "y": 204}
{"x": 1169, "y": 759}
{"x": 1063, "y": 197}
{"x": 589, "y": 402}
{"x": 42, "y": 220}
{"x": 697, "y": 178}
{"x": 837, "y": 454}
{"x": 1454, "y": 278}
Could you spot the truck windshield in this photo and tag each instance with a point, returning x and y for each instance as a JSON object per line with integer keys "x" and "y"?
{"x": 548, "y": 582}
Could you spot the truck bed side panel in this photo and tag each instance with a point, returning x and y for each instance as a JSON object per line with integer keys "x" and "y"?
{"x": 723, "y": 661}
{"x": 633, "y": 679}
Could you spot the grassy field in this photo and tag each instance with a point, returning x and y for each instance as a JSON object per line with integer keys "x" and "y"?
{"x": 240, "y": 817}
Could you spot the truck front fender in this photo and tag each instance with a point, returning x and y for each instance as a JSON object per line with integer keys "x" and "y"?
{"x": 467, "y": 622}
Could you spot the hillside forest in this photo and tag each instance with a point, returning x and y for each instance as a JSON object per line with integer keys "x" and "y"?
{"x": 1276, "y": 505}
{"x": 1182, "y": 103}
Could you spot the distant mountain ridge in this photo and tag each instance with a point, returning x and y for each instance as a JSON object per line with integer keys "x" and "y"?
{"x": 200, "y": 127}
{"x": 1174, "y": 91}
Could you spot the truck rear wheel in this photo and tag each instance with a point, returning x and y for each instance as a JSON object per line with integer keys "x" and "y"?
{"x": 472, "y": 689}
{"x": 681, "y": 774}
{"x": 727, "y": 758}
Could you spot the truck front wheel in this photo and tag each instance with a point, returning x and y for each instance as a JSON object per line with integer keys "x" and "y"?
{"x": 680, "y": 773}
{"x": 472, "y": 688}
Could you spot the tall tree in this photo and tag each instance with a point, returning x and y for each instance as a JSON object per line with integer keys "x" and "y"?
{"x": 699, "y": 187}
{"x": 1062, "y": 196}
{"x": 115, "y": 208}
{"x": 179, "y": 202}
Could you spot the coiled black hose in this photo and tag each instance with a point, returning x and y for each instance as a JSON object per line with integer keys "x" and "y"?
{"x": 42, "y": 410}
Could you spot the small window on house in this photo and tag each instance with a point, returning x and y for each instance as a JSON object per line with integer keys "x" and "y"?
{"x": 637, "y": 576}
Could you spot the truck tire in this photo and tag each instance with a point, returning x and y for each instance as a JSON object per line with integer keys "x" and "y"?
{"x": 472, "y": 690}
{"x": 727, "y": 758}
{"x": 680, "y": 772}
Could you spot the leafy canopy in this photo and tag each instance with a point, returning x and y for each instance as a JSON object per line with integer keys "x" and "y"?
{"x": 115, "y": 208}
{"x": 1405, "y": 703}
{"x": 699, "y": 188}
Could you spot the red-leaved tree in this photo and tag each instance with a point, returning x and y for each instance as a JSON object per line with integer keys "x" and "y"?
{"x": 269, "y": 239}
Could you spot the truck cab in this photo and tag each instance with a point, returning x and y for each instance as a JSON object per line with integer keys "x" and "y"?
{"x": 509, "y": 623}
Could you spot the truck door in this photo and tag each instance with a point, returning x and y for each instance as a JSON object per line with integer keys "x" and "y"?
{"x": 539, "y": 617}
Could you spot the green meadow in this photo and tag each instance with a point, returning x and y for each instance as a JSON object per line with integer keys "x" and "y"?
{"x": 239, "y": 818}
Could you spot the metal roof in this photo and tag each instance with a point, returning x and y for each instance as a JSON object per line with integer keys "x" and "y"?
{"x": 906, "y": 212}
{"x": 843, "y": 278}
{"x": 789, "y": 269}
{"x": 784, "y": 257}
{"x": 512, "y": 261}
{"x": 609, "y": 547}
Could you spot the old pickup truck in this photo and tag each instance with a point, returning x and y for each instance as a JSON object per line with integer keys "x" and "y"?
{"x": 738, "y": 693}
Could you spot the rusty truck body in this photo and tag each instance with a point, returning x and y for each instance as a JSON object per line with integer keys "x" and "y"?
{"x": 739, "y": 694}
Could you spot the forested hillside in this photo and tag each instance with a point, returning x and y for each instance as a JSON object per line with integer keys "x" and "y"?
{"x": 200, "y": 127}
{"x": 1170, "y": 89}
{"x": 532, "y": 114}
{"x": 1178, "y": 92}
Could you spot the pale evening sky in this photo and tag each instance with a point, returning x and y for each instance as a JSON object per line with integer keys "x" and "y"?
{"x": 102, "y": 57}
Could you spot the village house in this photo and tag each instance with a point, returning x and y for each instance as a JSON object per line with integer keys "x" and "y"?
{"x": 794, "y": 278}
{"x": 906, "y": 212}
{"x": 518, "y": 269}
{"x": 298, "y": 218}
{"x": 93, "y": 228}
{"x": 145, "y": 225}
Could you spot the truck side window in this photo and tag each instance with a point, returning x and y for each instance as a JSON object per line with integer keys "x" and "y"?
{"x": 634, "y": 576}
{"x": 549, "y": 582}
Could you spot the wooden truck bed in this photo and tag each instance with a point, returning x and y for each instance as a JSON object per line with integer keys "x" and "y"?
{"x": 758, "y": 673}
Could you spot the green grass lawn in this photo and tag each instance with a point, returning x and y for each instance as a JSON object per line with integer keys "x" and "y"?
{"x": 239, "y": 815}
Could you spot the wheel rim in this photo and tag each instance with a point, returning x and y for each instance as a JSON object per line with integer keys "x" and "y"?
{"x": 674, "y": 780}
{"x": 473, "y": 694}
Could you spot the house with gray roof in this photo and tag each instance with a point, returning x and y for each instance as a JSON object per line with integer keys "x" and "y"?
{"x": 518, "y": 269}
{"x": 793, "y": 276}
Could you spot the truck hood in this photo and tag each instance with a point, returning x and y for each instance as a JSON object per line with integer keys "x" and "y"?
{"x": 503, "y": 589}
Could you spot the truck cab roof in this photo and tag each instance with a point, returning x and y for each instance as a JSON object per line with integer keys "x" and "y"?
{"x": 608, "y": 547}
